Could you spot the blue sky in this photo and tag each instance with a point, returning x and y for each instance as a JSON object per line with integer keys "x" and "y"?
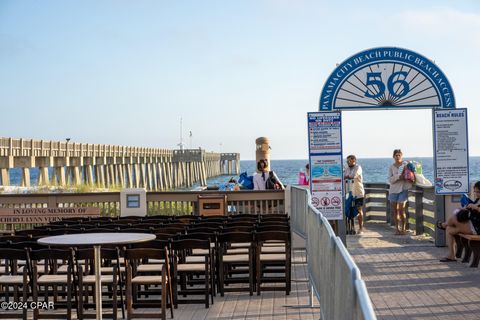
{"x": 125, "y": 72}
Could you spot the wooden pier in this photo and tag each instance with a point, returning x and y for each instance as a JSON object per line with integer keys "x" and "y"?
{"x": 107, "y": 166}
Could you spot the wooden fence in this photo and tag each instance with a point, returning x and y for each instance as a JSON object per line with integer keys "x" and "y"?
{"x": 420, "y": 207}
{"x": 165, "y": 203}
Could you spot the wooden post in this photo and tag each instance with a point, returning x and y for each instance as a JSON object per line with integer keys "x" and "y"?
{"x": 419, "y": 211}
{"x": 388, "y": 211}
{"x": 439, "y": 214}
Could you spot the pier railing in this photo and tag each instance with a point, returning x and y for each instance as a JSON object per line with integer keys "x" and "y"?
{"x": 420, "y": 207}
{"x": 333, "y": 275}
{"x": 106, "y": 166}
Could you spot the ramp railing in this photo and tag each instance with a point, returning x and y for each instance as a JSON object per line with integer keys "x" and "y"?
{"x": 333, "y": 275}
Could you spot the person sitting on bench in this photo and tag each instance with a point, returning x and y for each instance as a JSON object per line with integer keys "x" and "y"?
{"x": 465, "y": 221}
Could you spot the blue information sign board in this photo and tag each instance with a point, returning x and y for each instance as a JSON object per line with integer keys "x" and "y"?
{"x": 325, "y": 158}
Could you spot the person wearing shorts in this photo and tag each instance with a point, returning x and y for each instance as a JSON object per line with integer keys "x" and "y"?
{"x": 353, "y": 172}
{"x": 398, "y": 192}
{"x": 453, "y": 226}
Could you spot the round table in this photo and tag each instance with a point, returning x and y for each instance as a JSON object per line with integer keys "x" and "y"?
{"x": 96, "y": 240}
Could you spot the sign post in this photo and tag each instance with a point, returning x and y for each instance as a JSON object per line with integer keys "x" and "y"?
{"x": 450, "y": 141}
{"x": 392, "y": 78}
{"x": 325, "y": 159}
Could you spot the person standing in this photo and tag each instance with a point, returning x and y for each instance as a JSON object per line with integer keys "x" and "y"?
{"x": 398, "y": 191}
{"x": 307, "y": 173}
{"x": 260, "y": 178}
{"x": 353, "y": 172}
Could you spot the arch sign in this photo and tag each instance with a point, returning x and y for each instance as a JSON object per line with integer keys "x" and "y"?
{"x": 385, "y": 78}
{"x": 382, "y": 79}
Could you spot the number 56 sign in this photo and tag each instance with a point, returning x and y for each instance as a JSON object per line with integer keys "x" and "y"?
{"x": 385, "y": 78}
{"x": 397, "y": 86}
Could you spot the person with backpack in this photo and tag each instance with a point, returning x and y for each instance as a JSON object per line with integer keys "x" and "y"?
{"x": 264, "y": 179}
{"x": 398, "y": 191}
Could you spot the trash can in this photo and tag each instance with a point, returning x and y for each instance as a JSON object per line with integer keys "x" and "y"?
{"x": 212, "y": 205}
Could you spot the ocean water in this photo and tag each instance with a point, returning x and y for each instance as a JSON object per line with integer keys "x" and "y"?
{"x": 374, "y": 170}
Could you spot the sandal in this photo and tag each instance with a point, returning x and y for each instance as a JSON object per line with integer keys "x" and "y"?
{"x": 447, "y": 260}
{"x": 439, "y": 225}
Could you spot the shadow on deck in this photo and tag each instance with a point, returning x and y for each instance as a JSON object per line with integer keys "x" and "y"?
{"x": 405, "y": 279}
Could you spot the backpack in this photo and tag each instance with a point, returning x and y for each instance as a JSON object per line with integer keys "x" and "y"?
{"x": 272, "y": 183}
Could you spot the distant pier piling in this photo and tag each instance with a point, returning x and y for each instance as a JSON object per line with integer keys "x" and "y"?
{"x": 107, "y": 166}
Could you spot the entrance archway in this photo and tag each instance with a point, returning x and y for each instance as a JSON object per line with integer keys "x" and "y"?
{"x": 386, "y": 77}
{"x": 381, "y": 79}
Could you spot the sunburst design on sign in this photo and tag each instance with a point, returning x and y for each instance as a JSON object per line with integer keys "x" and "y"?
{"x": 386, "y": 78}
{"x": 387, "y": 85}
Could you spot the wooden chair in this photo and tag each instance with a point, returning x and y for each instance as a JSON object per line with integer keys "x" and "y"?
{"x": 206, "y": 219}
{"x": 159, "y": 277}
{"x": 16, "y": 238}
{"x": 206, "y": 224}
{"x": 111, "y": 277}
{"x": 185, "y": 219}
{"x": 228, "y": 263}
{"x": 181, "y": 249}
{"x": 34, "y": 233}
{"x": 16, "y": 278}
{"x": 270, "y": 264}
{"x": 62, "y": 284}
{"x": 195, "y": 229}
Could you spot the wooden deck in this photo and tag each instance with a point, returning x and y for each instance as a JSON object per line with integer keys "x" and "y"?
{"x": 239, "y": 305}
{"x": 269, "y": 305}
{"x": 405, "y": 279}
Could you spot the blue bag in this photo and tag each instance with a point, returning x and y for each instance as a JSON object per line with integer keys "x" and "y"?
{"x": 246, "y": 181}
{"x": 350, "y": 210}
{"x": 465, "y": 200}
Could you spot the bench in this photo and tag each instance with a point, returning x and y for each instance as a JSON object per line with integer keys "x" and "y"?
{"x": 468, "y": 244}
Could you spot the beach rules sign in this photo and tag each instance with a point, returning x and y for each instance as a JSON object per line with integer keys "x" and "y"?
{"x": 325, "y": 158}
{"x": 451, "y": 151}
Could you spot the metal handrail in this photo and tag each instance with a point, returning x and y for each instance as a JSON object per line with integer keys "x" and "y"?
{"x": 333, "y": 275}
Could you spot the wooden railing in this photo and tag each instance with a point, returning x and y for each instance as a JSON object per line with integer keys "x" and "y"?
{"x": 420, "y": 207}
{"x": 170, "y": 203}
{"x": 375, "y": 204}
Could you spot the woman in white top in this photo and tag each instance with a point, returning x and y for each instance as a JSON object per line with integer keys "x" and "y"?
{"x": 260, "y": 178}
{"x": 398, "y": 191}
{"x": 353, "y": 173}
